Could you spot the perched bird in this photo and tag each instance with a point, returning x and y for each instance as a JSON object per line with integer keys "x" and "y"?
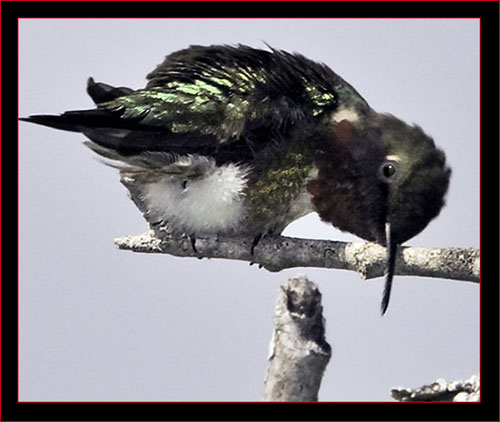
{"x": 233, "y": 140}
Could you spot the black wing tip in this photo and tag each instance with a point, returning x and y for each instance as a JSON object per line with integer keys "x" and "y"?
{"x": 101, "y": 92}
{"x": 51, "y": 120}
{"x": 40, "y": 119}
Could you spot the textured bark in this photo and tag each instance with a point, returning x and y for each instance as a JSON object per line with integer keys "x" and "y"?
{"x": 441, "y": 390}
{"x": 280, "y": 252}
{"x": 299, "y": 352}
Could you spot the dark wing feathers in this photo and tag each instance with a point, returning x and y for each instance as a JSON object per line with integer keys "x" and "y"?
{"x": 76, "y": 121}
{"x": 205, "y": 97}
{"x": 101, "y": 92}
{"x": 132, "y": 142}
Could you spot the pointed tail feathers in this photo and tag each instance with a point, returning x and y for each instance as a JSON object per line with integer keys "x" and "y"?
{"x": 54, "y": 121}
{"x": 126, "y": 136}
{"x": 104, "y": 128}
{"x": 82, "y": 120}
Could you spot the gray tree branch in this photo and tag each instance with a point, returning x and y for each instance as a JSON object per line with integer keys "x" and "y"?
{"x": 441, "y": 390}
{"x": 299, "y": 352}
{"x": 280, "y": 252}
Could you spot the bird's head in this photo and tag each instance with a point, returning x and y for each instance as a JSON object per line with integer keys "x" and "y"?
{"x": 380, "y": 179}
{"x": 379, "y": 170}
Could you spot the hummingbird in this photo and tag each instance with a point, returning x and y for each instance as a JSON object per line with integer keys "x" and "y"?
{"x": 239, "y": 141}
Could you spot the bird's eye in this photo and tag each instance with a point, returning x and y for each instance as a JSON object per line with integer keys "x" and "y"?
{"x": 389, "y": 170}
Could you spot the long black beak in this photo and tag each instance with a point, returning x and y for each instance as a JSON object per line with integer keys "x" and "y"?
{"x": 392, "y": 247}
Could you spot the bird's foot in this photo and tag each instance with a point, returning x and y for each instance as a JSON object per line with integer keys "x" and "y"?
{"x": 192, "y": 239}
{"x": 255, "y": 242}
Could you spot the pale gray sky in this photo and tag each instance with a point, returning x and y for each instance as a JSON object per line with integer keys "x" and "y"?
{"x": 98, "y": 324}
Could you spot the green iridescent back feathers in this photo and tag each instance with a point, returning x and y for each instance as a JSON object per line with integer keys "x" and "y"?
{"x": 227, "y": 91}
